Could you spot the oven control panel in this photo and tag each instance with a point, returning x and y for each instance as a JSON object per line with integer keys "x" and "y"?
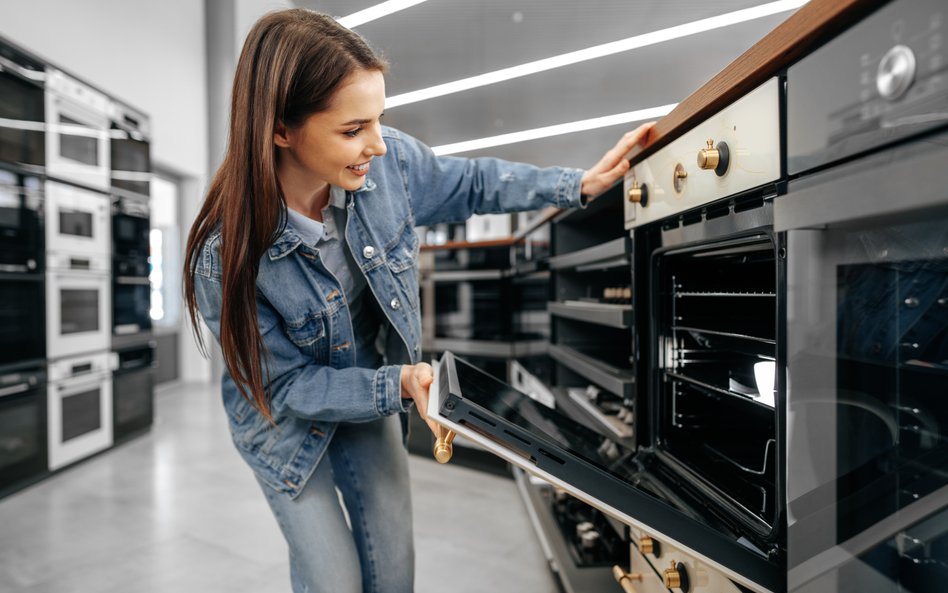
{"x": 735, "y": 150}
{"x": 675, "y": 569}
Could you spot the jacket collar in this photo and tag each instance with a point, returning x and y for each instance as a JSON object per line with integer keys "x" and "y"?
{"x": 289, "y": 240}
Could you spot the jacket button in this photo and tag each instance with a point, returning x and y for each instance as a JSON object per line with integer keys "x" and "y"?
{"x": 368, "y": 252}
{"x": 395, "y": 304}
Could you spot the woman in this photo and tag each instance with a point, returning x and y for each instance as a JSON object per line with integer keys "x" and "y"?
{"x": 303, "y": 261}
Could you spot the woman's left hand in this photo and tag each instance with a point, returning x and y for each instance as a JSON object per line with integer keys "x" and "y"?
{"x": 613, "y": 164}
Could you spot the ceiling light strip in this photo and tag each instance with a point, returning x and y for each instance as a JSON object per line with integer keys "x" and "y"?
{"x": 557, "y": 130}
{"x": 376, "y": 12}
{"x": 598, "y": 51}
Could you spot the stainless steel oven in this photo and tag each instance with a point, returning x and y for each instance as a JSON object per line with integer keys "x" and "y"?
{"x": 23, "y": 446}
{"x": 77, "y": 142}
{"x": 22, "y": 109}
{"x": 77, "y": 220}
{"x": 866, "y": 221}
{"x": 130, "y": 151}
{"x": 80, "y": 407}
{"x": 133, "y": 387}
{"x": 78, "y": 304}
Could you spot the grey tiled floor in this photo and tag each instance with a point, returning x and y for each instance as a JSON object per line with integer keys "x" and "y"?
{"x": 176, "y": 511}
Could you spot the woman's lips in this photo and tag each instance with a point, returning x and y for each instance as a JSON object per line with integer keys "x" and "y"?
{"x": 359, "y": 169}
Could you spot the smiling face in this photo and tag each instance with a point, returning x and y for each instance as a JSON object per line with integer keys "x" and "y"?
{"x": 335, "y": 146}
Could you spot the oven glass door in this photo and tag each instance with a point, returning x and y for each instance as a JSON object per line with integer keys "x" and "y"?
{"x": 133, "y": 387}
{"x": 78, "y": 313}
{"x": 131, "y": 298}
{"x": 77, "y": 144}
{"x": 77, "y": 220}
{"x": 80, "y": 418}
{"x": 22, "y": 318}
{"x": 131, "y": 227}
{"x": 21, "y": 223}
{"x": 868, "y": 418}
{"x": 23, "y": 446}
{"x": 131, "y": 163}
{"x": 598, "y": 471}
{"x": 22, "y": 121}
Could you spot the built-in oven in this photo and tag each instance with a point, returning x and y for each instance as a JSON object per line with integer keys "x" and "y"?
{"x": 130, "y": 151}
{"x": 77, "y": 220}
{"x": 79, "y": 407}
{"x": 22, "y": 318}
{"x": 22, "y": 236}
{"x": 866, "y": 221}
{"x": 133, "y": 390}
{"x": 78, "y": 304}
{"x": 23, "y": 446}
{"x": 22, "y": 109}
{"x": 77, "y": 142}
{"x": 131, "y": 288}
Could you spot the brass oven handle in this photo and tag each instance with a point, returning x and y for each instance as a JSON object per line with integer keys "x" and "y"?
{"x": 625, "y": 578}
{"x": 443, "y": 449}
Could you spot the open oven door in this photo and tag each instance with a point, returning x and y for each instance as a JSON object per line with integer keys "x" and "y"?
{"x": 550, "y": 445}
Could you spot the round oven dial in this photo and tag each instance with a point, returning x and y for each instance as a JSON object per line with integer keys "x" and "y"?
{"x": 896, "y": 72}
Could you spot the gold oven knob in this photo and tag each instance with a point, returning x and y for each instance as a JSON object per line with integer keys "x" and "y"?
{"x": 443, "y": 447}
{"x": 714, "y": 157}
{"x": 676, "y": 577}
{"x": 638, "y": 194}
{"x": 709, "y": 157}
{"x": 646, "y": 545}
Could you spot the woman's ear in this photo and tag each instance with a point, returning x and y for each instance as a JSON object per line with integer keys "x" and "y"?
{"x": 280, "y": 136}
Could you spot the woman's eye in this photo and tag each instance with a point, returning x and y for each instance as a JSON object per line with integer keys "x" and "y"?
{"x": 353, "y": 133}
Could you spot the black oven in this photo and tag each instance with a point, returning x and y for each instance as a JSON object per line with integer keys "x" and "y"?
{"x": 130, "y": 151}
{"x": 22, "y": 318}
{"x": 131, "y": 288}
{"x": 23, "y": 446}
{"x": 22, "y": 109}
{"x": 133, "y": 386}
{"x": 21, "y": 222}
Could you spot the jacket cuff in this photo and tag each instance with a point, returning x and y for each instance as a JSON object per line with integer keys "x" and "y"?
{"x": 387, "y": 387}
{"x": 568, "y": 187}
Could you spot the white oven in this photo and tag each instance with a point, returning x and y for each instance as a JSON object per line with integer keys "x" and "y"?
{"x": 77, "y": 142}
{"x": 77, "y": 220}
{"x": 79, "y": 407}
{"x": 78, "y": 304}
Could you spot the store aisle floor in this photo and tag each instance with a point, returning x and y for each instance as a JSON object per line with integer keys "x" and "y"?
{"x": 177, "y": 511}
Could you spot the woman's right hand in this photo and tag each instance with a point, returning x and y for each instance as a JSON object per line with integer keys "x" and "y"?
{"x": 416, "y": 379}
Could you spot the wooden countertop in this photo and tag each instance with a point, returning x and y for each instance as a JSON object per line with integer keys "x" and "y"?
{"x": 805, "y": 30}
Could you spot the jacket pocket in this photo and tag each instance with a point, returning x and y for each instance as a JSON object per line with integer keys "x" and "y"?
{"x": 309, "y": 334}
{"x": 402, "y": 260}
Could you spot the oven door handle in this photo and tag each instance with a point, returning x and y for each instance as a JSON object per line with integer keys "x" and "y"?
{"x": 136, "y": 280}
{"x": 14, "y": 389}
{"x": 11, "y": 66}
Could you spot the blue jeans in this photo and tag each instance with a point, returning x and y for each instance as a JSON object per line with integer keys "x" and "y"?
{"x": 368, "y": 463}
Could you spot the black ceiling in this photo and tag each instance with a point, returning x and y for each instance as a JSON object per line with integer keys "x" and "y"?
{"x": 440, "y": 41}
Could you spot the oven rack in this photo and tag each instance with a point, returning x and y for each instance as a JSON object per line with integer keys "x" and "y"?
{"x": 708, "y": 383}
{"x": 619, "y": 381}
{"x": 608, "y": 314}
{"x": 606, "y": 255}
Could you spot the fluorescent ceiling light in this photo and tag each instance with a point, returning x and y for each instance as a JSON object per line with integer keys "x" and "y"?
{"x": 376, "y": 12}
{"x": 546, "y": 132}
{"x": 598, "y": 51}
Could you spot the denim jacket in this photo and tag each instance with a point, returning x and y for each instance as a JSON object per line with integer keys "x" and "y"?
{"x": 303, "y": 315}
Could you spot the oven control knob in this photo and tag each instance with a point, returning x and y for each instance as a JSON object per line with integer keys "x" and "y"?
{"x": 676, "y": 577}
{"x": 638, "y": 194}
{"x": 649, "y": 546}
{"x": 714, "y": 157}
{"x": 896, "y": 72}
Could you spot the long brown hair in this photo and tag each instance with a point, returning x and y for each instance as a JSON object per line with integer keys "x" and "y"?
{"x": 291, "y": 64}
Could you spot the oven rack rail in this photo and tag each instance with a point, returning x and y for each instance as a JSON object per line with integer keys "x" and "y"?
{"x": 606, "y": 255}
{"x": 608, "y": 314}
{"x": 616, "y": 380}
{"x": 695, "y": 382}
